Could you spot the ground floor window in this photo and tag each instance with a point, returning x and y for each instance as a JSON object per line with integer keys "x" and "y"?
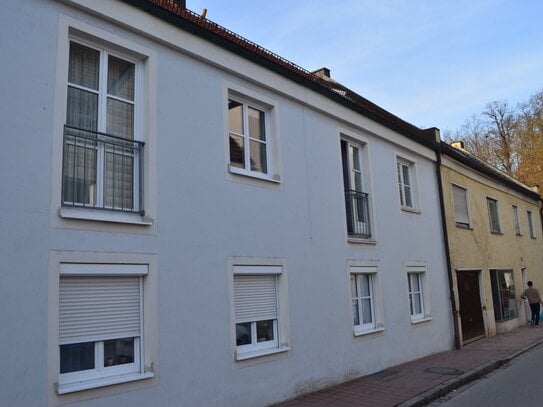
{"x": 503, "y": 294}
{"x": 260, "y": 308}
{"x": 100, "y": 325}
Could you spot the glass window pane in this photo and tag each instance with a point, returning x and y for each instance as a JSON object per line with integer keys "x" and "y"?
{"x": 83, "y": 66}
{"x": 258, "y": 157}
{"x": 366, "y": 311}
{"x": 355, "y": 157}
{"x": 365, "y": 285}
{"x": 417, "y": 304}
{"x": 120, "y": 78}
{"x": 356, "y": 316}
{"x": 120, "y": 119}
{"x": 118, "y": 351}
{"x": 357, "y": 181}
{"x": 264, "y": 330}
{"x": 408, "y": 198}
{"x": 415, "y": 282}
{"x": 82, "y": 109}
{"x": 405, "y": 173}
{"x": 237, "y": 151}
{"x": 79, "y": 172}
{"x": 76, "y": 357}
{"x": 256, "y": 124}
{"x": 353, "y": 287}
{"x": 243, "y": 334}
{"x": 235, "y": 116}
{"x": 119, "y": 177}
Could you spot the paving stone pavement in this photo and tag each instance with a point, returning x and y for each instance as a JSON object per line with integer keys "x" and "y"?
{"x": 421, "y": 381}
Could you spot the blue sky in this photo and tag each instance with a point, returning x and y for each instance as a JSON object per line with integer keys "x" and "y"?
{"x": 433, "y": 63}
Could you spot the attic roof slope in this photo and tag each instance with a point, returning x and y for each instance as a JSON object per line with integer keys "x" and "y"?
{"x": 199, "y": 25}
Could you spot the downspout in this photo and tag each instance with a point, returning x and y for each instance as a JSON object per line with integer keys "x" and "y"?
{"x": 435, "y": 132}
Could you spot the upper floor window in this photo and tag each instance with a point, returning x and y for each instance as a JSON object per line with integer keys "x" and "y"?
{"x": 461, "y": 207}
{"x": 531, "y": 224}
{"x": 516, "y": 220}
{"x": 356, "y": 198}
{"x": 249, "y": 137}
{"x": 493, "y": 215}
{"x": 407, "y": 184}
{"x": 102, "y": 156}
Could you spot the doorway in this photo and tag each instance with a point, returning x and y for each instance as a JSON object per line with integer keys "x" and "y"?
{"x": 469, "y": 298}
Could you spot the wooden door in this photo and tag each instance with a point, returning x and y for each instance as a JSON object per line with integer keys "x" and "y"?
{"x": 471, "y": 314}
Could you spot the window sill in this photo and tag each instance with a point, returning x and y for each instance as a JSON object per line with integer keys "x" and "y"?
{"x": 463, "y": 226}
{"x": 262, "y": 352}
{"x": 240, "y": 171}
{"x": 494, "y": 232}
{"x": 411, "y": 210}
{"x": 361, "y": 331}
{"x": 358, "y": 240}
{"x": 108, "y": 381}
{"x": 104, "y": 216}
{"x": 415, "y": 321}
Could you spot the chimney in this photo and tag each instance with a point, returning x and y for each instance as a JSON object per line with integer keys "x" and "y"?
{"x": 323, "y": 73}
{"x": 458, "y": 144}
{"x": 180, "y": 3}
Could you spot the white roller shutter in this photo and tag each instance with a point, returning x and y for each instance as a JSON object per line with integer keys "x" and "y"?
{"x": 460, "y": 199}
{"x": 255, "y": 297}
{"x": 94, "y": 308}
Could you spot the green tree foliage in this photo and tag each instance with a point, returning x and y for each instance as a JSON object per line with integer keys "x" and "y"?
{"x": 509, "y": 138}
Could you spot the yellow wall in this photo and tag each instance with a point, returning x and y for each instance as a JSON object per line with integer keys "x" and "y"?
{"x": 477, "y": 248}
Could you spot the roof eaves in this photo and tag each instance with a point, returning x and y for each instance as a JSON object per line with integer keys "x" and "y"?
{"x": 189, "y": 21}
{"x": 482, "y": 167}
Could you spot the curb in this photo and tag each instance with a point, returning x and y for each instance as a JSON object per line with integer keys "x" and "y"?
{"x": 457, "y": 382}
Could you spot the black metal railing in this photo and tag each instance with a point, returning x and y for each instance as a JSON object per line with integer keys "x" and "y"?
{"x": 358, "y": 214}
{"x": 102, "y": 171}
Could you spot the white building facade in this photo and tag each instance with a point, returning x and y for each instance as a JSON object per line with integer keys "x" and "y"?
{"x": 189, "y": 222}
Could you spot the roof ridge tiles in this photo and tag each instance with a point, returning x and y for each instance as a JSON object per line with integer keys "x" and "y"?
{"x": 333, "y": 89}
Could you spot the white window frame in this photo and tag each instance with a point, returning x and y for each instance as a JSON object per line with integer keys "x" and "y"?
{"x": 531, "y": 227}
{"x": 516, "y": 220}
{"x": 356, "y": 284}
{"x": 405, "y": 162}
{"x": 104, "y": 376}
{"x": 357, "y": 268}
{"x": 493, "y": 217}
{"x": 418, "y": 270}
{"x": 103, "y": 96}
{"x": 249, "y": 98}
{"x": 353, "y": 142}
{"x": 145, "y": 121}
{"x": 263, "y": 351}
{"x": 458, "y": 220}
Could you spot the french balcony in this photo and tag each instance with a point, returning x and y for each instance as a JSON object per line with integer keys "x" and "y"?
{"x": 102, "y": 171}
{"x": 358, "y": 214}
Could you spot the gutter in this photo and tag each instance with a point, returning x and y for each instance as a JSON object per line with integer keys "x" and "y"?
{"x": 437, "y": 149}
{"x": 190, "y": 22}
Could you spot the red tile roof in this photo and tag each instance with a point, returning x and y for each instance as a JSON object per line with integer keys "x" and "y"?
{"x": 273, "y": 61}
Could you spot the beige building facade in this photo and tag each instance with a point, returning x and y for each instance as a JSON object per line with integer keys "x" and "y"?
{"x": 494, "y": 233}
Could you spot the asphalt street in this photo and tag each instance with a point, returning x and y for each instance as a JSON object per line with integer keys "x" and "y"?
{"x": 517, "y": 384}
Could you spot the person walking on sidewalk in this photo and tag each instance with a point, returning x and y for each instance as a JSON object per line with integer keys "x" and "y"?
{"x": 534, "y": 298}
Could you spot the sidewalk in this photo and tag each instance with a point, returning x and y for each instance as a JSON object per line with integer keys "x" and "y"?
{"x": 423, "y": 380}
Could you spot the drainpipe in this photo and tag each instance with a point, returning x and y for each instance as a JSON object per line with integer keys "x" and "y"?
{"x": 435, "y": 133}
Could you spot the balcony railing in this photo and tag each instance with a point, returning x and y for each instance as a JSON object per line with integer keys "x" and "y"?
{"x": 102, "y": 171}
{"x": 358, "y": 214}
